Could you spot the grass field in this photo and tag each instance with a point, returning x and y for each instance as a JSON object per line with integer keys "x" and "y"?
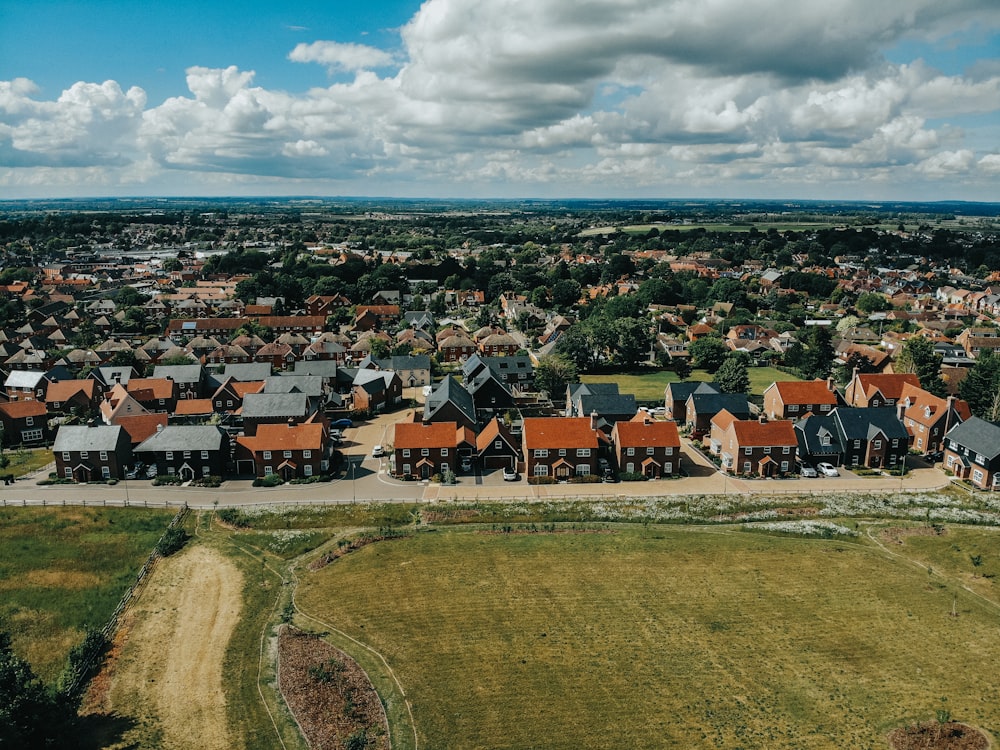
{"x": 665, "y": 637}
{"x": 649, "y": 386}
{"x": 27, "y": 461}
{"x": 63, "y": 570}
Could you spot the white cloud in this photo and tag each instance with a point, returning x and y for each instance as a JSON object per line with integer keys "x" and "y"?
{"x": 599, "y": 96}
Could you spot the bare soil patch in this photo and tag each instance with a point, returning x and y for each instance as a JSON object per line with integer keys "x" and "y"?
{"x": 898, "y": 534}
{"x": 329, "y": 694}
{"x": 933, "y": 735}
{"x": 165, "y": 669}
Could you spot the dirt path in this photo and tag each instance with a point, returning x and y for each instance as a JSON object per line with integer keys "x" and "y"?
{"x": 168, "y": 678}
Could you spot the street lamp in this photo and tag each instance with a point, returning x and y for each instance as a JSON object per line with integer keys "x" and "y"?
{"x": 354, "y": 492}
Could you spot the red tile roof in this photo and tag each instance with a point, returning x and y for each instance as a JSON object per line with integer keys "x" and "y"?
{"x": 22, "y": 409}
{"x": 64, "y": 390}
{"x": 805, "y": 392}
{"x": 426, "y": 435}
{"x": 750, "y": 432}
{"x": 643, "y": 435}
{"x": 559, "y": 432}
{"x": 282, "y": 437}
{"x": 157, "y": 387}
{"x": 189, "y": 406}
{"x": 890, "y": 385}
{"x": 141, "y": 426}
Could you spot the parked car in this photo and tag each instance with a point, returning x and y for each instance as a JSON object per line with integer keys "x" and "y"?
{"x": 609, "y": 476}
{"x": 827, "y": 470}
{"x": 151, "y": 471}
{"x": 808, "y": 471}
{"x": 133, "y": 473}
{"x": 934, "y": 456}
{"x": 509, "y": 474}
{"x": 378, "y": 451}
{"x": 466, "y": 463}
{"x": 341, "y": 424}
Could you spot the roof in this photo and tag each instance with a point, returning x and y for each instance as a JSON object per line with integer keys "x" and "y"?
{"x": 646, "y": 434}
{"x": 192, "y": 406}
{"x": 311, "y": 385}
{"x": 22, "y": 409}
{"x": 179, "y": 373}
{"x": 258, "y": 405}
{"x": 426, "y": 435}
{"x": 64, "y": 390}
{"x": 811, "y": 431}
{"x": 723, "y": 419}
{"x": 750, "y": 432}
{"x": 865, "y": 423}
{"x": 494, "y": 430}
{"x": 283, "y": 437}
{"x": 450, "y": 391}
{"x": 978, "y": 435}
{"x": 184, "y": 438}
{"x": 681, "y": 391}
{"x": 157, "y": 387}
{"x": 559, "y": 432}
{"x": 804, "y": 392}
{"x": 141, "y": 426}
{"x": 602, "y": 404}
{"x": 889, "y": 385}
{"x": 24, "y": 379}
{"x": 83, "y": 438}
{"x": 712, "y": 403}
{"x": 592, "y": 389}
{"x": 247, "y": 371}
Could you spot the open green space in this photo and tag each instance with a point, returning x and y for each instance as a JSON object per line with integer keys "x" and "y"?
{"x": 649, "y": 386}
{"x": 26, "y": 461}
{"x": 650, "y": 638}
{"x": 63, "y": 570}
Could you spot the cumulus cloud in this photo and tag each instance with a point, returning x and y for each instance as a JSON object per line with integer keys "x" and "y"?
{"x": 593, "y": 95}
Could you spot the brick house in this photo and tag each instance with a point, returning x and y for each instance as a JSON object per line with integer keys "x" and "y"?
{"x": 927, "y": 417}
{"x": 675, "y": 397}
{"x": 456, "y": 348}
{"x": 155, "y": 394}
{"x": 701, "y": 407}
{"x": 766, "y": 449}
{"x": 376, "y": 390}
{"x": 273, "y": 408}
{"x": 871, "y": 437}
{"x": 87, "y": 454}
{"x": 423, "y": 449}
{"x": 186, "y": 451}
{"x": 497, "y": 448}
{"x": 288, "y": 450}
{"x": 24, "y": 423}
{"x": 229, "y": 396}
{"x": 877, "y": 389}
{"x": 972, "y": 452}
{"x": 325, "y": 304}
{"x": 560, "y": 447}
{"x": 63, "y": 396}
{"x": 647, "y": 447}
{"x": 794, "y": 399}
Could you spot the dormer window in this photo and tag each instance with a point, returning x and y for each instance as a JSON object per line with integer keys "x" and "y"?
{"x": 927, "y": 411}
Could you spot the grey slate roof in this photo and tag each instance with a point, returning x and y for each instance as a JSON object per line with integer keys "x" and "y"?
{"x": 614, "y": 404}
{"x": 712, "y": 403}
{"x": 325, "y": 368}
{"x": 179, "y": 373}
{"x": 311, "y": 385}
{"x": 865, "y": 423}
{"x": 267, "y": 405}
{"x": 83, "y": 438}
{"x": 451, "y": 391}
{"x": 810, "y": 432}
{"x": 183, "y": 438}
{"x": 592, "y": 389}
{"x": 681, "y": 391}
{"x": 247, "y": 371}
{"x": 977, "y": 435}
{"x": 24, "y": 379}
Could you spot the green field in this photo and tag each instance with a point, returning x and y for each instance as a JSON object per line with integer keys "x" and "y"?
{"x": 64, "y": 570}
{"x": 649, "y": 386}
{"x": 662, "y": 638}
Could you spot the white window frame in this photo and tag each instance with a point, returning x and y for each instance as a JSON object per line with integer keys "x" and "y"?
{"x": 406, "y": 454}
{"x": 267, "y": 455}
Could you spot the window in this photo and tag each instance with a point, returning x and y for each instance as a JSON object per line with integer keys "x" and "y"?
{"x": 541, "y": 453}
{"x": 287, "y": 454}
{"x": 767, "y": 450}
{"x": 541, "y": 470}
{"x": 784, "y": 466}
{"x": 84, "y": 454}
{"x": 562, "y": 451}
{"x": 824, "y": 407}
{"x": 267, "y": 455}
{"x": 307, "y": 470}
{"x": 498, "y": 445}
{"x": 29, "y": 436}
{"x": 668, "y": 451}
{"x": 204, "y": 454}
{"x": 747, "y": 451}
{"x": 406, "y": 454}
{"x": 630, "y": 468}
{"x": 746, "y": 467}
{"x": 268, "y": 470}
{"x": 857, "y": 443}
{"x": 229, "y": 402}
{"x": 68, "y": 472}
{"x": 104, "y": 455}
{"x": 187, "y": 454}
{"x": 444, "y": 451}
{"x": 170, "y": 470}
{"x": 877, "y": 445}
{"x": 582, "y": 452}
{"x": 406, "y": 469}
{"x": 583, "y": 469}
{"x": 106, "y": 472}
{"x": 668, "y": 468}
{"x": 29, "y": 421}
{"x": 66, "y": 456}
{"x": 977, "y": 476}
{"x": 895, "y": 443}
{"x": 206, "y": 471}
{"x": 793, "y": 407}
{"x": 630, "y": 451}
{"x": 425, "y": 451}
{"x": 307, "y": 454}
{"x": 169, "y": 456}
{"x": 825, "y": 440}
{"x": 951, "y": 460}
{"x": 786, "y": 450}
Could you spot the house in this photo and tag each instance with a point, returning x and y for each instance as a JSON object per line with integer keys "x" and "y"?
{"x": 192, "y": 411}
{"x": 64, "y": 396}
{"x": 107, "y": 377}
{"x": 190, "y": 379}
{"x": 26, "y": 385}
{"x": 872, "y": 437}
{"x": 155, "y": 394}
{"x": 229, "y": 396}
{"x": 702, "y": 406}
{"x": 289, "y": 450}
{"x": 675, "y": 397}
{"x": 819, "y": 440}
{"x": 376, "y": 390}
{"x": 273, "y": 408}
{"x": 24, "y": 423}
{"x": 794, "y": 399}
{"x": 497, "y": 448}
{"x": 141, "y": 426}
{"x": 413, "y": 369}
{"x": 186, "y": 451}
{"x": 559, "y": 447}
{"x": 450, "y": 402}
{"x": 326, "y": 304}
{"x": 423, "y": 449}
{"x": 87, "y": 454}
{"x": 456, "y": 348}
{"x": 601, "y": 401}
{"x": 877, "y": 389}
{"x": 489, "y": 392}
{"x": 765, "y": 449}
{"x": 927, "y": 417}
{"x": 517, "y": 370}
{"x": 645, "y": 447}
{"x": 120, "y": 403}
{"x": 972, "y": 452}
{"x": 499, "y": 345}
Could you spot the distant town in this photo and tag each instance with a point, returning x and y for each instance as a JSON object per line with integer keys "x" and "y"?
{"x": 196, "y": 342}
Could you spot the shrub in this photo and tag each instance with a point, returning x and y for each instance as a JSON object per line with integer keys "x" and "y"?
{"x": 584, "y": 479}
{"x": 632, "y": 476}
{"x": 233, "y": 517}
{"x": 271, "y": 480}
{"x": 172, "y": 541}
{"x": 541, "y": 480}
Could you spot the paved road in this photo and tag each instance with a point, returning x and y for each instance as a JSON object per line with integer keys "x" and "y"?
{"x": 367, "y": 480}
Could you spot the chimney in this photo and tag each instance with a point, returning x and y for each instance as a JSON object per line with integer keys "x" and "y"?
{"x": 830, "y": 385}
{"x": 901, "y": 409}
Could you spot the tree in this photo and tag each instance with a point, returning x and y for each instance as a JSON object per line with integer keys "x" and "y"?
{"x": 733, "y": 376}
{"x": 379, "y": 348}
{"x": 633, "y": 338}
{"x": 553, "y": 373}
{"x": 707, "y": 353}
{"x": 869, "y": 302}
{"x": 817, "y": 360}
{"x": 31, "y": 716}
{"x": 856, "y": 361}
{"x": 982, "y": 382}
{"x": 565, "y": 293}
{"x": 575, "y": 345}
{"x": 918, "y": 357}
{"x": 682, "y": 367}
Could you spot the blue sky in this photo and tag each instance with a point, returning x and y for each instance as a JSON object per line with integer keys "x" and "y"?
{"x": 502, "y": 98}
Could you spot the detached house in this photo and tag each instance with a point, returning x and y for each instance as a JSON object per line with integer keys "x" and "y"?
{"x": 63, "y": 396}
{"x": 927, "y": 417}
{"x": 877, "y": 389}
{"x": 972, "y": 452}
{"x": 86, "y": 454}
{"x": 764, "y": 449}
{"x": 872, "y": 437}
{"x": 793, "y": 400}
{"x": 289, "y": 450}
{"x": 24, "y": 423}
{"x": 560, "y": 447}
{"x": 422, "y": 449}
{"x": 645, "y": 447}
{"x": 186, "y": 451}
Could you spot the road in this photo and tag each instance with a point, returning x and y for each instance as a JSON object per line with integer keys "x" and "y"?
{"x": 367, "y": 480}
